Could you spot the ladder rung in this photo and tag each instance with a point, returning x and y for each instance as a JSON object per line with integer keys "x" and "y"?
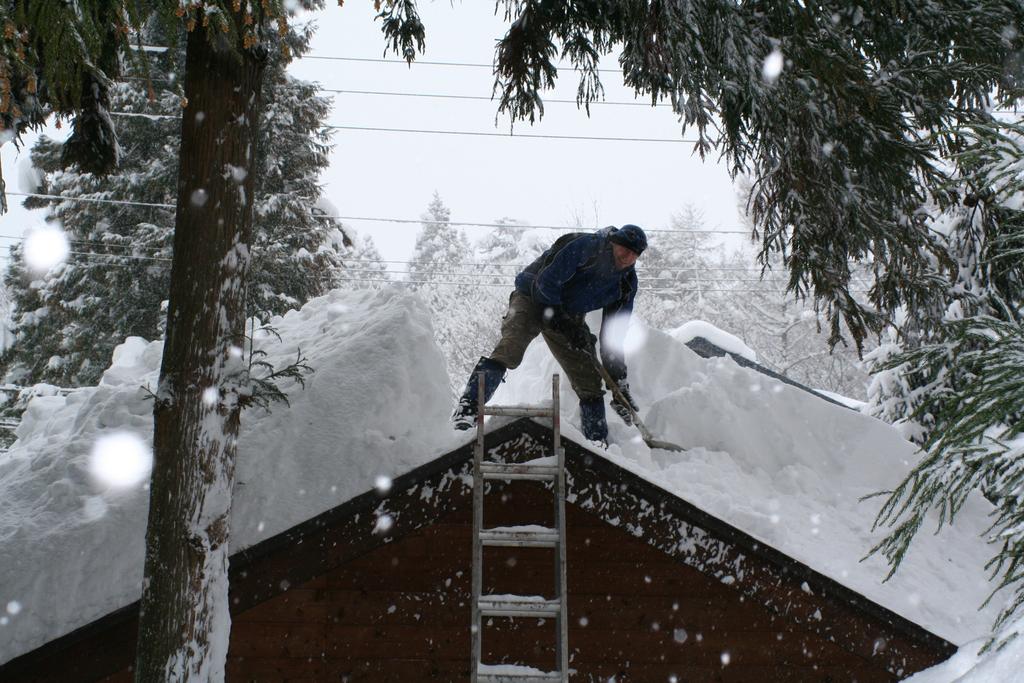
{"x": 505, "y": 673}
{"x": 518, "y": 411}
{"x": 498, "y": 470}
{"x": 520, "y": 537}
{"x": 518, "y": 606}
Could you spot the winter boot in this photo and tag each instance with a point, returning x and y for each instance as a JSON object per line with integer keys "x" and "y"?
{"x": 464, "y": 416}
{"x": 595, "y": 427}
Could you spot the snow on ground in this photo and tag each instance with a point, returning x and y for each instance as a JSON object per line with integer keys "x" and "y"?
{"x": 775, "y": 461}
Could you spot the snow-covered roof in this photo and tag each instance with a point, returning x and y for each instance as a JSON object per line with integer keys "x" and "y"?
{"x": 774, "y": 461}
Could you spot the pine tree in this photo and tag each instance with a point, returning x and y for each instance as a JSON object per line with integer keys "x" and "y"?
{"x": 296, "y": 251}
{"x": 499, "y": 247}
{"x": 440, "y": 248}
{"x": 69, "y": 320}
{"x": 977, "y": 274}
{"x": 495, "y": 260}
{"x": 118, "y": 276}
{"x": 951, "y": 376}
{"x": 441, "y": 274}
{"x": 362, "y": 266}
{"x": 678, "y": 270}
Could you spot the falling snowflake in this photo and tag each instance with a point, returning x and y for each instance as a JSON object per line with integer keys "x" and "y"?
{"x": 211, "y": 396}
{"x": 772, "y": 67}
{"x": 46, "y": 247}
{"x": 120, "y": 459}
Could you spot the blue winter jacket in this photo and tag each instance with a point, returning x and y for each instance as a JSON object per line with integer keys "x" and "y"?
{"x": 581, "y": 277}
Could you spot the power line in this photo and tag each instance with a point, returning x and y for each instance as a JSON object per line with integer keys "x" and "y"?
{"x": 470, "y": 133}
{"x": 471, "y": 276}
{"x": 107, "y": 245}
{"x": 541, "y": 136}
{"x": 440, "y": 96}
{"x": 384, "y": 263}
{"x": 484, "y": 98}
{"x": 470, "y": 65}
{"x": 144, "y": 115}
{"x": 121, "y": 256}
{"x": 523, "y": 265}
{"x": 475, "y": 65}
{"x": 480, "y": 276}
{"x": 475, "y": 275}
{"x": 420, "y": 262}
{"x": 340, "y": 276}
{"x": 642, "y": 288}
{"x": 123, "y": 202}
{"x": 511, "y": 226}
{"x": 517, "y": 226}
{"x": 520, "y": 266}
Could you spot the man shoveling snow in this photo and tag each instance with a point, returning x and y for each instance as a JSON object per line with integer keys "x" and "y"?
{"x": 579, "y": 273}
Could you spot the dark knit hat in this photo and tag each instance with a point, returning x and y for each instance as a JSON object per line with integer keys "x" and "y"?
{"x": 629, "y": 236}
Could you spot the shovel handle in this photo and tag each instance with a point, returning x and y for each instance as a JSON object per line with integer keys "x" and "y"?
{"x": 637, "y": 422}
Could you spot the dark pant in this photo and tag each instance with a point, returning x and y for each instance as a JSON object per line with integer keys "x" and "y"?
{"x": 521, "y": 325}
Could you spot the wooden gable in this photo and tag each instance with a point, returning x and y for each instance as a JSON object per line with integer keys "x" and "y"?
{"x": 378, "y": 590}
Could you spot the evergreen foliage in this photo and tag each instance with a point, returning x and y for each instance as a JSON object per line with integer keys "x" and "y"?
{"x": 950, "y": 375}
{"x": 440, "y": 249}
{"x": 979, "y": 273}
{"x": 679, "y": 266}
{"x": 295, "y": 251}
{"x": 439, "y": 271}
{"x": 60, "y": 56}
{"x": 64, "y": 58}
{"x": 69, "y": 320}
{"x": 975, "y": 441}
{"x": 362, "y": 265}
{"x": 844, "y": 143}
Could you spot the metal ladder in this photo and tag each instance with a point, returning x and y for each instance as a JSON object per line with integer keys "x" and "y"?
{"x": 519, "y": 606}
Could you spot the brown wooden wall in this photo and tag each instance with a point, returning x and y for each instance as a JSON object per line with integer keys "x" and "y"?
{"x": 694, "y": 599}
{"x": 401, "y": 613}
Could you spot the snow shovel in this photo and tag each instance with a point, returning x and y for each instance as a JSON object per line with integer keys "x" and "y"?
{"x": 637, "y": 422}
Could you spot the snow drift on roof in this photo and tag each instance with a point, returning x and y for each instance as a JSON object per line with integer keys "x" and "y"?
{"x": 376, "y": 406}
{"x": 774, "y": 461}
{"x": 787, "y": 468}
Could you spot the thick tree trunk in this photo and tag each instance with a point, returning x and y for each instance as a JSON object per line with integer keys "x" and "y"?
{"x": 184, "y": 622}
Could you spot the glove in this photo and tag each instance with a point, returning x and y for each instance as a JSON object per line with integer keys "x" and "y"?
{"x": 620, "y": 409}
{"x": 574, "y": 329}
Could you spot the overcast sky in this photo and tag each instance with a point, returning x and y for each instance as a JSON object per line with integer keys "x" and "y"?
{"x": 545, "y": 181}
